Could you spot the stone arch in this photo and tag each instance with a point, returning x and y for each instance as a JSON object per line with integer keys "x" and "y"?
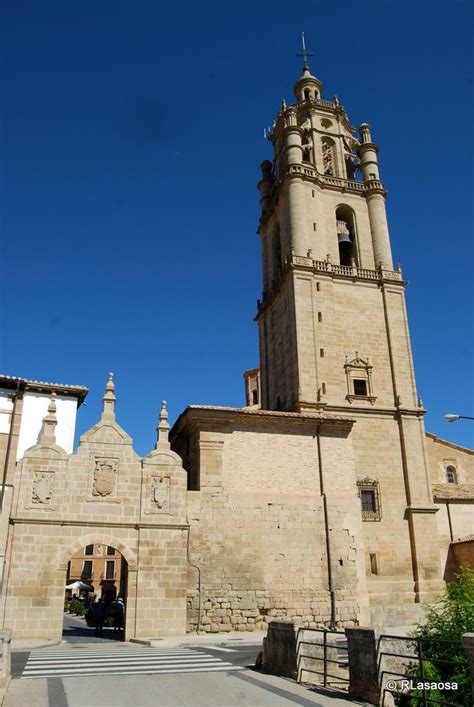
{"x": 97, "y": 539}
{"x": 346, "y": 226}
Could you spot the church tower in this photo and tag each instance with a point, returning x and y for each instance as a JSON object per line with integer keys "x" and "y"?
{"x": 333, "y": 327}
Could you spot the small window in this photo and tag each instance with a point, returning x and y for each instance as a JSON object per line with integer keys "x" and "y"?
{"x": 110, "y": 569}
{"x": 360, "y": 387}
{"x": 369, "y": 494}
{"x": 306, "y": 94}
{"x": 110, "y": 550}
{"x": 254, "y": 397}
{"x": 451, "y": 475}
{"x": 89, "y": 550}
{"x": 359, "y": 379}
{"x": 87, "y": 569}
{"x": 367, "y": 500}
{"x": 373, "y": 563}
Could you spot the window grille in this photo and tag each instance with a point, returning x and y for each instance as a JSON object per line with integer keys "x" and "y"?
{"x": 369, "y": 494}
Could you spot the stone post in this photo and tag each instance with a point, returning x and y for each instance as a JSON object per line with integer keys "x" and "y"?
{"x": 468, "y": 643}
{"x": 279, "y": 653}
{"x": 363, "y": 671}
{"x": 5, "y": 658}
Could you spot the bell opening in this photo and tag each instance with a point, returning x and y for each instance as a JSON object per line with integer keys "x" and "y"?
{"x": 346, "y": 239}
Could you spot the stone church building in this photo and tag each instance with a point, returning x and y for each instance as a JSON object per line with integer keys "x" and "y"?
{"x": 323, "y": 499}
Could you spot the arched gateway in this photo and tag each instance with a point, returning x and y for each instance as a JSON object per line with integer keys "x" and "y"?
{"x": 105, "y": 494}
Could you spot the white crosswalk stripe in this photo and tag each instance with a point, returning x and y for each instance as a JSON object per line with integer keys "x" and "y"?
{"x": 121, "y": 661}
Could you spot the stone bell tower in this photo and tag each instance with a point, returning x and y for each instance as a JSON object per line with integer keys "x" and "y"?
{"x": 333, "y": 327}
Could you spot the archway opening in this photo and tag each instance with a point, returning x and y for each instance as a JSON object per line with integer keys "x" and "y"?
{"x": 95, "y": 600}
{"x": 346, "y": 236}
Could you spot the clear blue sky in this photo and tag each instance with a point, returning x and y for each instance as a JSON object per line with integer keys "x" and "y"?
{"x": 130, "y": 141}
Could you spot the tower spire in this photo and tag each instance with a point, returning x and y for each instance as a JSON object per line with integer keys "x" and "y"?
{"x": 305, "y": 53}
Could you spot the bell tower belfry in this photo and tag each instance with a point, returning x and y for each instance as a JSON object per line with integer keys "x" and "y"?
{"x": 333, "y": 327}
{"x": 320, "y": 224}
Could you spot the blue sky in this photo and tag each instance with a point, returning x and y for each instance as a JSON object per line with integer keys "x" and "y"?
{"x": 130, "y": 142}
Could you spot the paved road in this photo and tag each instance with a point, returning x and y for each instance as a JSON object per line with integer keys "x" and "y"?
{"x": 124, "y": 661}
{"x": 75, "y": 630}
{"x": 196, "y": 676}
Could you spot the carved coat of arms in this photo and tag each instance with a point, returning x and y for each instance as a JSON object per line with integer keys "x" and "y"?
{"x": 42, "y": 488}
{"x": 160, "y": 490}
{"x": 104, "y": 478}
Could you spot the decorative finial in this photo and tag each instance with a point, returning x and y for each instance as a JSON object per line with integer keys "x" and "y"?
{"x": 52, "y": 404}
{"x": 48, "y": 430}
{"x": 305, "y": 54}
{"x": 163, "y": 426}
{"x": 336, "y": 99}
{"x": 283, "y": 104}
{"x": 108, "y": 408}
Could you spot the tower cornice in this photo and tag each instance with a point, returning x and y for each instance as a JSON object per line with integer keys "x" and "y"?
{"x": 365, "y": 146}
{"x": 307, "y": 173}
{"x": 334, "y": 271}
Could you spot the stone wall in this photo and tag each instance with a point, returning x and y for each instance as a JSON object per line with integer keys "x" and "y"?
{"x": 454, "y": 500}
{"x": 102, "y": 494}
{"x": 257, "y": 522}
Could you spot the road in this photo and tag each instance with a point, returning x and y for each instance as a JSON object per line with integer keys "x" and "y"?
{"x": 115, "y": 674}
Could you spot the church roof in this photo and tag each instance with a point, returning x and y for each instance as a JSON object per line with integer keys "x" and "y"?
{"x": 449, "y": 444}
{"x": 453, "y": 492}
{"x": 466, "y": 539}
{"x": 254, "y": 410}
{"x": 230, "y": 414}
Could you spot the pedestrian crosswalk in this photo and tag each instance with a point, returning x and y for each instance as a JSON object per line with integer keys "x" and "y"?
{"x": 121, "y": 661}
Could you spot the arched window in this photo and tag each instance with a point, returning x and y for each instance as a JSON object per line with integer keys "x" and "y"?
{"x": 346, "y": 235}
{"x": 451, "y": 475}
{"x": 254, "y": 397}
{"x": 307, "y": 145}
{"x": 329, "y": 157}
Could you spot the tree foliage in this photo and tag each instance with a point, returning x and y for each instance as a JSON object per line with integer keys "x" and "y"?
{"x": 447, "y": 620}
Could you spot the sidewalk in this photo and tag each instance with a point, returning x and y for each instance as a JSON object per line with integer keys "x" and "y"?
{"x": 204, "y": 639}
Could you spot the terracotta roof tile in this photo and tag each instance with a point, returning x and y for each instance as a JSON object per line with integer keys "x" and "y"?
{"x": 32, "y": 384}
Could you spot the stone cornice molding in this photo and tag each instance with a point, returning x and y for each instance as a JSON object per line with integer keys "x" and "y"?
{"x": 421, "y": 508}
{"x": 220, "y": 418}
{"x": 382, "y": 411}
{"x": 323, "y": 267}
{"x": 308, "y": 173}
{"x": 364, "y": 146}
{"x": 97, "y": 524}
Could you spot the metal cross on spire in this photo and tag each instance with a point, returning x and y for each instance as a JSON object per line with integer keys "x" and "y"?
{"x": 305, "y": 53}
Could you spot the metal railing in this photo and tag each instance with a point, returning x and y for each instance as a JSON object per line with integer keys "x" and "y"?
{"x": 406, "y": 660}
{"x": 323, "y": 653}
